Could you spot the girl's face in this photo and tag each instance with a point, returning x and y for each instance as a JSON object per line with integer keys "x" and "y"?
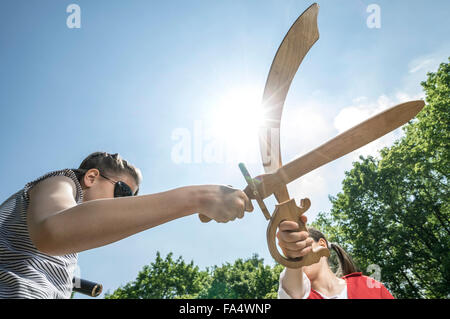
{"x": 313, "y": 270}
{"x": 97, "y": 187}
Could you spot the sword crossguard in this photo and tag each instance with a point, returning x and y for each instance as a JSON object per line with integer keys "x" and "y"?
{"x": 251, "y": 184}
{"x": 286, "y": 210}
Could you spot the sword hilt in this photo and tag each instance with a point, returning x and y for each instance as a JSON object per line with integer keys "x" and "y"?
{"x": 255, "y": 194}
{"x": 251, "y": 183}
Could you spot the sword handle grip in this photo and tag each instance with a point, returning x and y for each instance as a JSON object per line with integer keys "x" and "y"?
{"x": 288, "y": 210}
{"x": 206, "y": 219}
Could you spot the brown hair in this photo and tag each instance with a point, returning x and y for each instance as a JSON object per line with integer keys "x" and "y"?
{"x": 346, "y": 264}
{"x": 112, "y": 164}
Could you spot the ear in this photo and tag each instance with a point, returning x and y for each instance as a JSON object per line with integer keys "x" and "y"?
{"x": 322, "y": 242}
{"x": 90, "y": 177}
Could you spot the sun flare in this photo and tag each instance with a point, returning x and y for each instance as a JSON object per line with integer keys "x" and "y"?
{"x": 237, "y": 117}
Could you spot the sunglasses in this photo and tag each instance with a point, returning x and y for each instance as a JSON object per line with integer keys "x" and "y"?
{"x": 121, "y": 189}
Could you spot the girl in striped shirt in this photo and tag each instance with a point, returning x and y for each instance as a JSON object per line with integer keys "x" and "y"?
{"x": 44, "y": 225}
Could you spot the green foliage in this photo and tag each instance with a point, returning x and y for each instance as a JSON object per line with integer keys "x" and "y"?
{"x": 394, "y": 211}
{"x": 164, "y": 279}
{"x": 169, "y": 278}
{"x": 245, "y": 279}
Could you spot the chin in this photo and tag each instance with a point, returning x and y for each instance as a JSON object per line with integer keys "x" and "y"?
{"x": 310, "y": 271}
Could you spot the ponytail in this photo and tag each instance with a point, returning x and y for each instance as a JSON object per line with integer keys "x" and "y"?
{"x": 346, "y": 264}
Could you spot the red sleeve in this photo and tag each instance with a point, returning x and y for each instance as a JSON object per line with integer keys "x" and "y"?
{"x": 363, "y": 287}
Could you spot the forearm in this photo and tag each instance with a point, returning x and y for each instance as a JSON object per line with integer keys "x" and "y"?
{"x": 100, "y": 222}
{"x": 292, "y": 283}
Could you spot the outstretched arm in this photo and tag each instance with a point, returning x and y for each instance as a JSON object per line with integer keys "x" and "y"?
{"x": 58, "y": 226}
{"x": 293, "y": 244}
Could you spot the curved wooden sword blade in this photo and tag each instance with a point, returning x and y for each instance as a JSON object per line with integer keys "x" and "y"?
{"x": 300, "y": 38}
{"x": 346, "y": 142}
{"x": 294, "y": 47}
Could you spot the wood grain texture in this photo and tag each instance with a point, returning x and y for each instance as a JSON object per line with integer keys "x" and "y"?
{"x": 296, "y": 44}
{"x": 293, "y": 49}
{"x": 346, "y": 142}
{"x": 350, "y": 140}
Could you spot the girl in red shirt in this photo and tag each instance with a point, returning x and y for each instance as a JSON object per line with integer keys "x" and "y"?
{"x": 318, "y": 281}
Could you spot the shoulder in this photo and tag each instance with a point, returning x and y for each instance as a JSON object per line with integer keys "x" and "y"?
{"x": 54, "y": 184}
{"x": 364, "y": 287}
{"x": 357, "y": 278}
{"x": 62, "y": 182}
{"x": 52, "y": 193}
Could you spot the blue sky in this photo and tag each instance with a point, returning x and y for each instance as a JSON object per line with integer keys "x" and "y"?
{"x": 137, "y": 72}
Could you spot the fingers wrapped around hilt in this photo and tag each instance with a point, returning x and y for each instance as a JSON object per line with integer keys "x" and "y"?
{"x": 288, "y": 210}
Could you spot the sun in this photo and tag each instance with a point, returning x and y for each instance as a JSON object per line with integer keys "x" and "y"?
{"x": 237, "y": 116}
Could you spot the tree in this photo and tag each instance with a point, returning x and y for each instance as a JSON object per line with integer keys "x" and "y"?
{"x": 164, "y": 279}
{"x": 245, "y": 279}
{"x": 169, "y": 278}
{"x": 394, "y": 211}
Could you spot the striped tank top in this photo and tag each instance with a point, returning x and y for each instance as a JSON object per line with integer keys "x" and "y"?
{"x": 26, "y": 272}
